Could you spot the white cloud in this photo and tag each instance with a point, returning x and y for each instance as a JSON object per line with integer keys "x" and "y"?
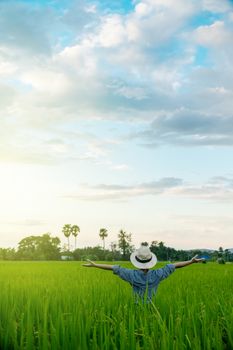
{"x": 122, "y": 192}
{"x": 47, "y": 81}
{"x": 215, "y": 35}
{"x": 80, "y": 59}
{"x": 216, "y": 189}
{"x": 216, "y": 6}
{"x": 129, "y": 92}
{"x": 188, "y": 128}
{"x": 107, "y": 67}
{"x": 219, "y": 188}
{"x": 155, "y": 22}
{"x": 8, "y": 95}
{"x": 7, "y": 68}
{"x": 112, "y": 32}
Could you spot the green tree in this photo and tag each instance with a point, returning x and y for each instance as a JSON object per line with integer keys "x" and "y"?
{"x": 27, "y": 248}
{"x": 163, "y": 251}
{"x": 214, "y": 255}
{"x": 113, "y": 246}
{"x": 154, "y": 248}
{"x": 42, "y": 247}
{"x": 166, "y": 253}
{"x": 103, "y": 234}
{"x": 226, "y": 255}
{"x": 220, "y": 252}
{"x": 67, "y": 232}
{"x": 7, "y": 254}
{"x": 75, "y": 231}
{"x": 124, "y": 243}
{"x": 92, "y": 253}
{"x": 48, "y": 247}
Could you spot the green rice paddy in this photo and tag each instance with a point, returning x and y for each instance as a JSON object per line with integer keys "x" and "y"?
{"x": 62, "y": 305}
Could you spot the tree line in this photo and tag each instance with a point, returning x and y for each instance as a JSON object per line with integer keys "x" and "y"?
{"x": 46, "y": 247}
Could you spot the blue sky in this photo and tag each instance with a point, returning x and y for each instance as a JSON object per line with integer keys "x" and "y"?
{"x": 117, "y": 114}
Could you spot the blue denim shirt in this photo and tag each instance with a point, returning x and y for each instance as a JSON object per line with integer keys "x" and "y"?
{"x": 144, "y": 284}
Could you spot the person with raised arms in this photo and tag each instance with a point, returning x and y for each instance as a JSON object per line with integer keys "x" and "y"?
{"x": 144, "y": 280}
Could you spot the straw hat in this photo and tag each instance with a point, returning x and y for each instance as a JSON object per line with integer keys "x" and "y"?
{"x": 143, "y": 258}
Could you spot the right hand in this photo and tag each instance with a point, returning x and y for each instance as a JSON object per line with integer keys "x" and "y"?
{"x": 196, "y": 260}
{"x": 90, "y": 264}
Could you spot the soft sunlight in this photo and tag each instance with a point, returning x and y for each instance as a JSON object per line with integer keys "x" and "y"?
{"x": 117, "y": 114}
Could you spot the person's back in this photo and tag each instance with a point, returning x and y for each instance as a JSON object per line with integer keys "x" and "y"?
{"x": 144, "y": 282}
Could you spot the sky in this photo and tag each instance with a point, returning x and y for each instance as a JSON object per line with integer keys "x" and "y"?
{"x": 117, "y": 114}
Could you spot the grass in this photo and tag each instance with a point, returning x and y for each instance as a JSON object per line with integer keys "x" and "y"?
{"x": 61, "y": 305}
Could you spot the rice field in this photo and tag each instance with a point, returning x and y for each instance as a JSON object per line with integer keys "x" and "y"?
{"x": 62, "y": 305}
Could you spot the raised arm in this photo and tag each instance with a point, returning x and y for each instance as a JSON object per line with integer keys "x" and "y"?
{"x": 100, "y": 266}
{"x": 189, "y": 262}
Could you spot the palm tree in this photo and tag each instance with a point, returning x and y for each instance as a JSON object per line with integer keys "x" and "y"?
{"x": 75, "y": 231}
{"x": 124, "y": 242}
{"x": 103, "y": 234}
{"x": 67, "y": 232}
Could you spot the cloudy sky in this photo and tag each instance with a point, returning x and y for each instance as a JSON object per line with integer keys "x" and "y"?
{"x": 117, "y": 114}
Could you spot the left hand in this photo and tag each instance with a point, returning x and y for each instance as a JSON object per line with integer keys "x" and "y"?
{"x": 91, "y": 264}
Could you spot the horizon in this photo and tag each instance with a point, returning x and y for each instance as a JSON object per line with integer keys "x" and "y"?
{"x": 117, "y": 114}
{"x": 63, "y": 243}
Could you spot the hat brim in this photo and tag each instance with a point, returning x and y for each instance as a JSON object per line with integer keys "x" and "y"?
{"x": 140, "y": 265}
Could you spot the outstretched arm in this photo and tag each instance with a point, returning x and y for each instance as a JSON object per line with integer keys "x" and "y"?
{"x": 100, "y": 266}
{"x": 189, "y": 262}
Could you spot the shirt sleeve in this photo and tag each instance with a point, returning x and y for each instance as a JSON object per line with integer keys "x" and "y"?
{"x": 123, "y": 273}
{"x": 165, "y": 271}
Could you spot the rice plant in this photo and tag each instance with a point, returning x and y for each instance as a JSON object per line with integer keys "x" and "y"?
{"x": 61, "y": 305}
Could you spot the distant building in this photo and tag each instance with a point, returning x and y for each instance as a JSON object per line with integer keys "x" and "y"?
{"x": 66, "y": 258}
{"x": 206, "y": 257}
